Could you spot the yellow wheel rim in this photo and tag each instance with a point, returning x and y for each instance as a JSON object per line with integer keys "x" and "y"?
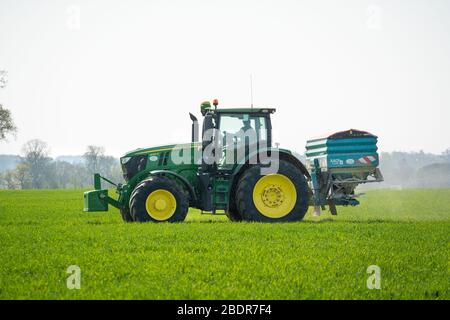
{"x": 161, "y": 204}
{"x": 274, "y": 195}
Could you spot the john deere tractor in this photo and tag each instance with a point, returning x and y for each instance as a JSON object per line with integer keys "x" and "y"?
{"x": 236, "y": 170}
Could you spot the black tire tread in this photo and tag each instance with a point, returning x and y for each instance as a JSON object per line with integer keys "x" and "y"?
{"x": 126, "y": 216}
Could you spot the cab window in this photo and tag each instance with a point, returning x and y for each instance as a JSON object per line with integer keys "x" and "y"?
{"x": 231, "y": 124}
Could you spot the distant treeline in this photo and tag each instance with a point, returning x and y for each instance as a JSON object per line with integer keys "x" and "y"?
{"x": 35, "y": 170}
{"x": 415, "y": 169}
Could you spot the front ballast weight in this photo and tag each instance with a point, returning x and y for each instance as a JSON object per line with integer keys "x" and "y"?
{"x": 338, "y": 163}
{"x": 98, "y": 199}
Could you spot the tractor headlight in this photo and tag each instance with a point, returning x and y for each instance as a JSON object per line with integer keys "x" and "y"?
{"x": 124, "y": 160}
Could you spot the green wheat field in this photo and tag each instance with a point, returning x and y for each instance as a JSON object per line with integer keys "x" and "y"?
{"x": 404, "y": 232}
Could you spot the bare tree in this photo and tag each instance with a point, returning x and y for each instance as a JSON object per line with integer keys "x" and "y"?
{"x": 36, "y": 158}
{"x": 446, "y": 154}
{"x": 93, "y": 157}
{"x": 80, "y": 177}
{"x": 8, "y": 180}
{"x": 22, "y": 175}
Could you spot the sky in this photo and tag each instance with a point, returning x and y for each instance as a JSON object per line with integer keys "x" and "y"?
{"x": 125, "y": 74}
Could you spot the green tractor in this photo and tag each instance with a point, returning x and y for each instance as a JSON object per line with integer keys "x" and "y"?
{"x": 234, "y": 169}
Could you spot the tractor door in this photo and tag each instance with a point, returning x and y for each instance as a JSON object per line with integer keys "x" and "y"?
{"x": 243, "y": 134}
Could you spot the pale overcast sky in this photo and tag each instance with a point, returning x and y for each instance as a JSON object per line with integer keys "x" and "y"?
{"x": 125, "y": 74}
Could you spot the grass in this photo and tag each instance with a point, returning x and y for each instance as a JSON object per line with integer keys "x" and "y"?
{"x": 404, "y": 232}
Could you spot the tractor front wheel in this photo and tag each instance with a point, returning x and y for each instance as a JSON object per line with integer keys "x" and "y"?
{"x": 278, "y": 197}
{"x": 126, "y": 216}
{"x": 158, "y": 199}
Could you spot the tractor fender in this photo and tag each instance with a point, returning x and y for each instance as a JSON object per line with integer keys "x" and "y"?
{"x": 138, "y": 178}
{"x": 282, "y": 154}
{"x": 178, "y": 177}
{"x": 296, "y": 162}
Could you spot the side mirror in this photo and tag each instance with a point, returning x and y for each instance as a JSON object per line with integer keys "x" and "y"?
{"x": 194, "y": 127}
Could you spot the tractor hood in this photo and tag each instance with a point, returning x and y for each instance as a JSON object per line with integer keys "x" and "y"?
{"x": 135, "y": 161}
{"x": 161, "y": 148}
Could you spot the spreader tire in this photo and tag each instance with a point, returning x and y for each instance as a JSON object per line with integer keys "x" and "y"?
{"x": 158, "y": 199}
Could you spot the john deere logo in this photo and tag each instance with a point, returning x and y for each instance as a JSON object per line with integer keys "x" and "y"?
{"x": 153, "y": 158}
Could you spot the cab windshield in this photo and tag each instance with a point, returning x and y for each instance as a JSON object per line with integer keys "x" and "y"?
{"x": 236, "y": 124}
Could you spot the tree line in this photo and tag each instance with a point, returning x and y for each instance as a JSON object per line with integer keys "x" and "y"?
{"x": 415, "y": 169}
{"x": 36, "y": 170}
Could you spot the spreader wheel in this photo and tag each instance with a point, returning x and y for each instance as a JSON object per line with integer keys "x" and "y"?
{"x": 332, "y": 207}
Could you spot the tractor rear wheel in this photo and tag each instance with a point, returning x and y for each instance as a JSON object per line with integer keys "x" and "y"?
{"x": 277, "y": 197}
{"x": 233, "y": 215}
{"x": 158, "y": 199}
{"x": 232, "y": 212}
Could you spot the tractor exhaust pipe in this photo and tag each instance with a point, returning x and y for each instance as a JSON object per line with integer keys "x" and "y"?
{"x": 194, "y": 127}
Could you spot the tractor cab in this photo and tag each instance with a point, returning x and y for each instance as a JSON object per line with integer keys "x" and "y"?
{"x": 229, "y": 121}
{"x": 233, "y": 130}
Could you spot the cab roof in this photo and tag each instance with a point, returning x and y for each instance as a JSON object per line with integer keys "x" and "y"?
{"x": 243, "y": 110}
